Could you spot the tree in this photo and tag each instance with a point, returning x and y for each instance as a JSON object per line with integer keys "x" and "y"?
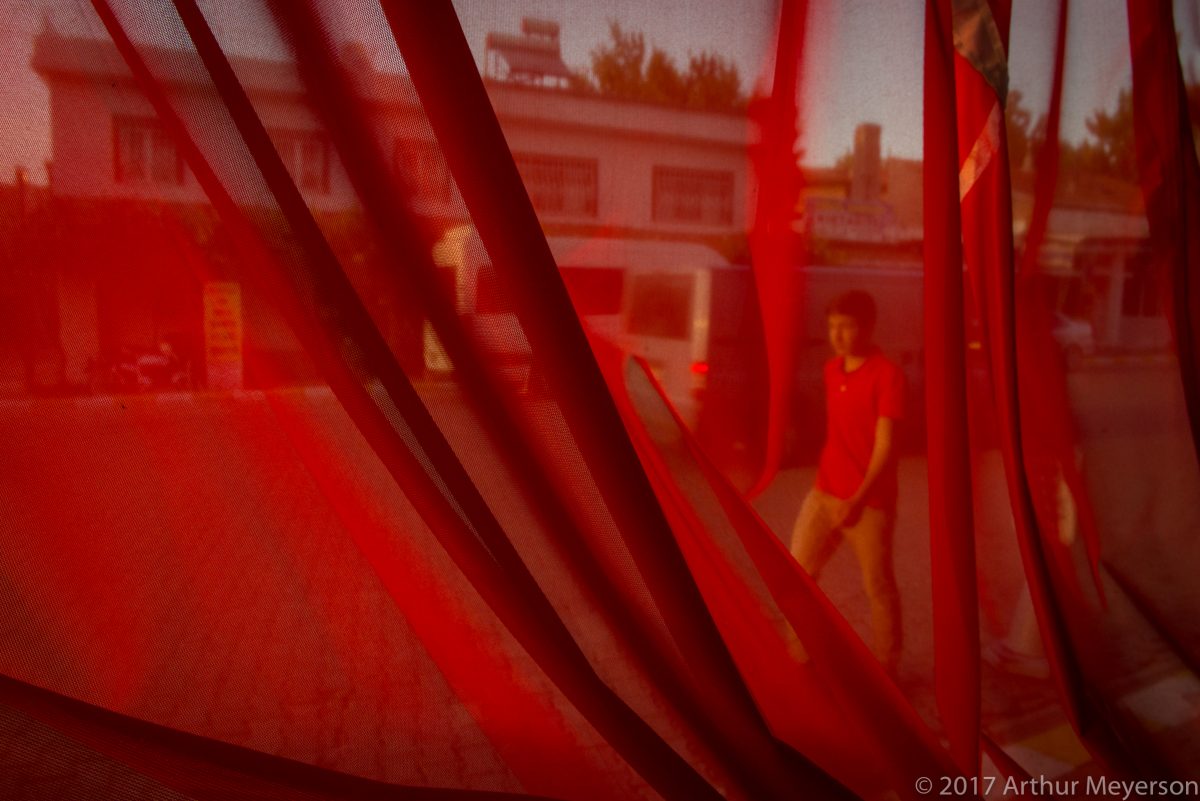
{"x": 713, "y": 83}
{"x": 1107, "y": 151}
{"x": 1115, "y": 155}
{"x": 580, "y": 82}
{"x": 1083, "y": 158}
{"x": 617, "y": 66}
{"x": 663, "y": 83}
{"x": 1020, "y": 138}
{"x": 623, "y": 68}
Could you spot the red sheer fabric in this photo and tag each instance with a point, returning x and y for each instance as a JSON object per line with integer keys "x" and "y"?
{"x": 955, "y": 627}
{"x": 395, "y": 405}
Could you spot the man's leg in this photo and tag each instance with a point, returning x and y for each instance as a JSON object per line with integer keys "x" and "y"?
{"x": 813, "y": 537}
{"x": 871, "y": 537}
{"x": 813, "y": 542}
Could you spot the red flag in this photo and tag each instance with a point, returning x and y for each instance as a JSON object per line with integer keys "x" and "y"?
{"x": 985, "y": 193}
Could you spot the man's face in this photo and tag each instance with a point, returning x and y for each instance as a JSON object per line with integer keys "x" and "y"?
{"x": 845, "y": 335}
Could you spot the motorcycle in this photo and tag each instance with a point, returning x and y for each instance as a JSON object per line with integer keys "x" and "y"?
{"x": 138, "y": 369}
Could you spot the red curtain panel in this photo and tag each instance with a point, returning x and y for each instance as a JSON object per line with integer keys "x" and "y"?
{"x": 549, "y": 400}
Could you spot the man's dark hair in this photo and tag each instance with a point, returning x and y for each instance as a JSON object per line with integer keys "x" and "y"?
{"x": 856, "y": 304}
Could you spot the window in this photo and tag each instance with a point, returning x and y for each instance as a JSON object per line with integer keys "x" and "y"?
{"x": 693, "y": 196}
{"x": 144, "y": 153}
{"x": 420, "y": 164}
{"x": 558, "y": 184}
{"x": 661, "y": 306}
{"x": 306, "y": 156}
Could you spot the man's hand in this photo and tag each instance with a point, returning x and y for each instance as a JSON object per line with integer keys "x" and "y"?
{"x": 846, "y": 512}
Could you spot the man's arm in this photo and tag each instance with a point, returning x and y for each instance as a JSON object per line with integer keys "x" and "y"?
{"x": 881, "y": 454}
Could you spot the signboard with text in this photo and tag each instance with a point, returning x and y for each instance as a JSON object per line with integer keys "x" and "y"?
{"x": 223, "y": 334}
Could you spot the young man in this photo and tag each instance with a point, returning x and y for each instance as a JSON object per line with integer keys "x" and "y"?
{"x": 855, "y": 492}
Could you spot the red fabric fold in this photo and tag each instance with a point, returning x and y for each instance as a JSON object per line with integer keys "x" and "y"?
{"x": 1170, "y": 179}
{"x": 955, "y": 621}
{"x": 817, "y": 683}
{"x": 773, "y": 248}
{"x": 1049, "y": 438}
{"x": 549, "y": 585}
{"x": 529, "y": 625}
{"x": 203, "y": 769}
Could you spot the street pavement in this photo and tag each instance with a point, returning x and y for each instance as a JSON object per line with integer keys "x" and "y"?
{"x": 130, "y": 519}
{"x": 1145, "y": 491}
{"x": 172, "y": 557}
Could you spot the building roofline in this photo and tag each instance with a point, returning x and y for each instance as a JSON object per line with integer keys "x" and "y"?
{"x": 67, "y": 57}
{"x": 81, "y": 59}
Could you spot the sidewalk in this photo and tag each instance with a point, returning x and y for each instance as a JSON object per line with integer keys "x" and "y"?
{"x": 1160, "y": 699}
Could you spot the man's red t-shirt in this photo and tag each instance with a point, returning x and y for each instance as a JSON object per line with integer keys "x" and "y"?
{"x": 854, "y": 402}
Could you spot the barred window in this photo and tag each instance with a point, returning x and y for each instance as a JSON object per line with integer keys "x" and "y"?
{"x": 421, "y": 166}
{"x": 682, "y": 195}
{"x": 559, "y": 184}
{"x": 144, "y": 153}
{"x": 306, "y": 156}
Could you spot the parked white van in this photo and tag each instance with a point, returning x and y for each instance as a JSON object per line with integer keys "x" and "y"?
{"x": 650, "y": 297}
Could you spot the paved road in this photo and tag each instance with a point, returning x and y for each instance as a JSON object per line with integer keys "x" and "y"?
{"x": 1145, "y": 489}
{"x": 235, "y": 566}
{"x": 154, "y": 514}
{"x": 181, "y": 562}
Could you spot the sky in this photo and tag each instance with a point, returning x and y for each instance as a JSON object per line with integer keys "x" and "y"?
{"x": 862, "y": 59}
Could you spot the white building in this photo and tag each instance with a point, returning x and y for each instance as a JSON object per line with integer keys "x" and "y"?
{"x": 586, "y": 160}
{"x": 592, "y": 166}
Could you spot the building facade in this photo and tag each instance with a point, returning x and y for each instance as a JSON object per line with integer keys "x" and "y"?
{"x": 593, "y": 166}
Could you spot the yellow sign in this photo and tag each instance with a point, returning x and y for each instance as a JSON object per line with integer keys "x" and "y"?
{"x": 223, "y": 334}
